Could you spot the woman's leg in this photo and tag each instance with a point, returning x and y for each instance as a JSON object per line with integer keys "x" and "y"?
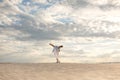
{"x": 57, "y": 57}
{"x": 58, "y": 61}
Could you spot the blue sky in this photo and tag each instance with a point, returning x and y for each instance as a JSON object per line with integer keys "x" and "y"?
{"x": 89, "y": 30}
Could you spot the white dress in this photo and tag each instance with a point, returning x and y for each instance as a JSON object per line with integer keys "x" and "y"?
{"x": 56, "y": 51}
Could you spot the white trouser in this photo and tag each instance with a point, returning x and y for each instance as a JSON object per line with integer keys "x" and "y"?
{"x": 56, "y": 54}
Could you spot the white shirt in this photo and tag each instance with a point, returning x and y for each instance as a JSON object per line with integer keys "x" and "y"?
{"x": 56, "y": 49}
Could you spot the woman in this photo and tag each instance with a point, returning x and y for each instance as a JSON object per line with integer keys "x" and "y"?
{"x": 56, "y": 50}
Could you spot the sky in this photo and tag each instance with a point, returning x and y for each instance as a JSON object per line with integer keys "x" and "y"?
{"x": 89, "y": 30}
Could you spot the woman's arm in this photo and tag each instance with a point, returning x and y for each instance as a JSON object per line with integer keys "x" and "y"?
{"x": 60, "y": 46}
{"x": 51, "y": 44}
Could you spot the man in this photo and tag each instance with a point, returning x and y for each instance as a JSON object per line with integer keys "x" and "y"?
{"x": 56, "y": 50}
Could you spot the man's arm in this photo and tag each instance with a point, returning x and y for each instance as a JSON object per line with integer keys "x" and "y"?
{"x": 51, "y": 44}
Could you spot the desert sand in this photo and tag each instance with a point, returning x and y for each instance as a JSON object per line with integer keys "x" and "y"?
{"x": 63, "y": 71}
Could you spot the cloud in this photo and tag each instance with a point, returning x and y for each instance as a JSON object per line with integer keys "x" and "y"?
{"x": 106, "y": 4}
{"x": 109, "y": 57}
{"x": 77, "y": 3}
{"x": 86, "y": 28}
{"x": 35, "y": 34}
{"x": 56, "y": 16}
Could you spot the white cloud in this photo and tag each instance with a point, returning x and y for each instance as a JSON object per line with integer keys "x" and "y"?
{"x": 40, "y": 1}
{"x": 99, "y": 2}
{"x": 83, "y": 27}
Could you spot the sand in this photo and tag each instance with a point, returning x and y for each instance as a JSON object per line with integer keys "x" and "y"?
{"x": 64, "y": 71}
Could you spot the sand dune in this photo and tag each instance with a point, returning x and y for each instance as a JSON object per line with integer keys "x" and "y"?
{"x": 64, "y": 71}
